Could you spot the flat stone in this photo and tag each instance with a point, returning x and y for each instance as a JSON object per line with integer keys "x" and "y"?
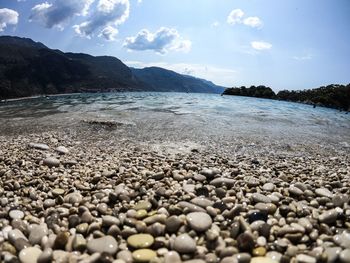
{"x": 199, "y": 221}
{"x": 39, "y": 146}
{"x": 340, "y": 199}
{"x": 302, "y": 258}
{"x": 191, "y": 207}
{"x": 51, "y": 162}
{"x": 323, "y": 192}
{"x": 105, "y": 244}
{"x": 269, "y": 187}
{"x": 110, "y": 220}
{"x": 16, "y": 214}
{"x": 260, "y": 198}
{"x": 184, "y": 244}
{"x": 30, "y": 255}
{"x": 262, "y": 260}
{"x": 57, "y": 191}
{"x": 145, "y": 205}
{"x": 202, "y": 202}
{"x": 140, "y": 240}
{"x": 62, "y": 150}
{"x": 143, "y": 255}
{"x": 221, "y": 181}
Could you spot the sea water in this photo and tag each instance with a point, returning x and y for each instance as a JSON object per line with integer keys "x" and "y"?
{"x": 182, "y": 116}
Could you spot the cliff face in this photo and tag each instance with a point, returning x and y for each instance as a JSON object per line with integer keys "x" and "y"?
{"x": 30, "y": 68}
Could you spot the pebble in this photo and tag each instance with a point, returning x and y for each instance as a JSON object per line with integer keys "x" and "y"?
{"x": 262, "y": 260}
{"x": 342, "y": 239}
{"x": 269, "y": 187}
{"x": 57, "y": 191}
{"x": 303, "y": 258}
{"x": 106, "y": 244}
{"x": 51, "y": 162}
{"x": 143, "y": 255}
{"x": 260, "y": 198}
{"x": 245, "y": 242}
{"x": 172, "y": 257}
{"x": 39, "y": 146}
{"x": 30, "y": 255}
{"x": 329, "y": 216}
{"x": 199, "y": 221}
{"x": 324, "y": 192}
{"x": 16, "y": 214}
{"x": 143, "y": 205}
{"x": 37, "y": 232}
{"x": 295, "y": 190}
{"x": 344, "y": 256}
{"x": 184, "y": 244}
{"x": 62, "y": 150}
{"x": 140, "y": 240}
{"x": 46, "y": 256}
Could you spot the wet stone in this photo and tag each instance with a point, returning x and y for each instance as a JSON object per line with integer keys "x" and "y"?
{"x": 255, "y": 216}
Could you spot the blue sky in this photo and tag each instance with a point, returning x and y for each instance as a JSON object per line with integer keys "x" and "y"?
{"x": 289, "y": 44}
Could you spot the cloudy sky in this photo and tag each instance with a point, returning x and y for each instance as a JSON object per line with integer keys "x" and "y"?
{"x": 290, "y": 44}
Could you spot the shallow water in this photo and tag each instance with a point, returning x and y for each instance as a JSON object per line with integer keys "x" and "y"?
{"x": 182, "y": 116}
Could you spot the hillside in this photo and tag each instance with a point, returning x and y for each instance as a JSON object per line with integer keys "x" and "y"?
{"x": 160, "y": 79}
{"x": 333, "y": 96}
{"x": 30, "y": 68}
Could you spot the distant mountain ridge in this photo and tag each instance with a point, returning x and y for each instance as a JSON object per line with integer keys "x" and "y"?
{"x": 30, "y": 68}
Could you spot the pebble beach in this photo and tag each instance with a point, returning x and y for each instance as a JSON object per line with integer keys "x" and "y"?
{"x": 86, "y": 194}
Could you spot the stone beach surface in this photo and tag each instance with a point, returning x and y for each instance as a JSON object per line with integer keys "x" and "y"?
{"x": 168, "y": 178}
{"x": 69, "y": 198}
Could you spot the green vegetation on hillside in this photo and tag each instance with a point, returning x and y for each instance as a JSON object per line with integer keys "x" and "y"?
{"x": 333, "y": 96}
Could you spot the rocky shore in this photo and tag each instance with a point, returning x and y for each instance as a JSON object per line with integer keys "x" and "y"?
{"x": 69, "y": 200}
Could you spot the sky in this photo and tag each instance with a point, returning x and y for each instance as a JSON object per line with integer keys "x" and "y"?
{"x": 289, "y": 44}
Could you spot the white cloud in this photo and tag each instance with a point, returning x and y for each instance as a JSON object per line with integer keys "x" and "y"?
{"x": 162, "y": 41}
{"x": 7, "y": 17}
{"x": 235, "y": 17}
{"x": 253, "y": 21}
{"x": 215, "y": 24}
{"x": 58, "y": 13}
{"x": 109, "y": 33}
{"x": 220, "y": 76}
{"x": 260, "y": 45}
{"x": 109, "y": 13}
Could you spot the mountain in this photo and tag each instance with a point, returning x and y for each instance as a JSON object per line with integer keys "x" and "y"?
{"x": 30, "y": 68}
{"x": 161, "y": 79}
